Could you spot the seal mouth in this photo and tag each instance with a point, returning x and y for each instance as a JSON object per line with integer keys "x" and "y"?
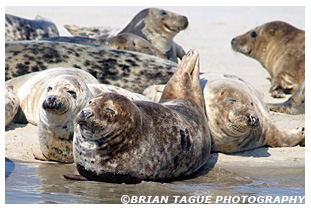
{"x": 170, "y": 29}
{"x": 54, "y": 107}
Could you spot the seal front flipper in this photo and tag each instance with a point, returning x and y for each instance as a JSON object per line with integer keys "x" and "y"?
{"x": 75, "y": 177}
{"x": 294, "y": 105}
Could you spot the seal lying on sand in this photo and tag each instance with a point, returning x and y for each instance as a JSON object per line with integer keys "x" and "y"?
{"x": 294, "y": 105}
{"x": 237, "y": 116}
{"x": 11, "y": 105}
{"x": 280, "y": 48}
{"x": 124, "y": 41}
{"x": 17, "y": 28}
{"x": 130, "y": 70}
{"x": 118, "y": 140}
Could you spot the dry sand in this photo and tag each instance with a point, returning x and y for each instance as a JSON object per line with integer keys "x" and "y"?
{"x": 210, "y": 32}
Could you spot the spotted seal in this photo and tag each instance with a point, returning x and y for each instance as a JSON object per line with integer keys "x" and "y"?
{"x": 294, "y": 105}
{"x": 280, "y": 48}
{"x": 122, "y": 141}
{"x": 17, "y": 28}
{"x": 11, "y": 105}
{"x": 123, "y": 41}
{"x": 129, "y": 70}
{"x": 238, "y": 118}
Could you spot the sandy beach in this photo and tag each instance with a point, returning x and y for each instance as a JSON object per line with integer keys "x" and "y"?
{"x": 210, "y": 32}
{"x": 210, "y": 35}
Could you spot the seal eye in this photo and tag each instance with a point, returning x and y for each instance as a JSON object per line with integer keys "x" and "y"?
{"x": 49, "y": 88}
{"x": 253, "y": 34}
{"x": 163, "y": 13}
{"x": 230, "y": 100}
{"x": 73, "y": 93}
{"x": 252, "y": 104}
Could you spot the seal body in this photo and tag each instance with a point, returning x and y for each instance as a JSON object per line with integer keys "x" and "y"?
{"x": 91, "y": 32}
{"x": 11, "y": 105}
{"x": 159, "y": 27}
{"x": 118, "y": 140}
{"x": 280, "y": 48}
{"x": 294, "y": 105}
{"x": 17, "y": 28}
{"x": 130, "y": 70}
{"x": 124, "y": 41}
{"x": 237, "y": 116}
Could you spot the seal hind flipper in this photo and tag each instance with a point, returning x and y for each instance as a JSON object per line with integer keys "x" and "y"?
{"x": 40, "y": 156}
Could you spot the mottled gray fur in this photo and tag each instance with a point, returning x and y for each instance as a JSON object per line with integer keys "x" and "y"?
{"x": 130, "y": 70}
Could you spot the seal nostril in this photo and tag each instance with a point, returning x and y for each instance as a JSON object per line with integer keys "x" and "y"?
{"x": 253, "y": 121}
{"x": 51, "y": 99}
{"x": 85, "y": 113}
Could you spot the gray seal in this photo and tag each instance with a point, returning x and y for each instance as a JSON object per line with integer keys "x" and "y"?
{"x": 159, "y": 27}
{"x": 129, "y": 70}
{"x": 238, "y": 117}
{"x": 280, "y": 48}
{"x": 122, "y": 141}
{"x": 17, "y": 28}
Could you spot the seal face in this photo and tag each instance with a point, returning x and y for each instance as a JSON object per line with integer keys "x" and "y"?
{"x": 237, "y": 116}
{"x": 129, "y": 70}
{"x": 159, "y": 27}
{"x": 118, "y": 140}
{"x": 280, "y": 48}
{"x": 17, "y": 28}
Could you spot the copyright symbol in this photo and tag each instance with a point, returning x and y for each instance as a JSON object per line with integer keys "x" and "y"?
{"x": 125, "y": 199}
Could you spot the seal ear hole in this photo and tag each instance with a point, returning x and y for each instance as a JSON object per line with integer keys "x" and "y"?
{"x": 49, "y": 88}
{"x": 163, "y": 13}
{"x": 252, "y": 104}
{"x": 253, "y": 34}
{"x": 90, "y": 102}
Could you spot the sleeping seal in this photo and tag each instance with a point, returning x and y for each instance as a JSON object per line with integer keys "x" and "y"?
{"x": 122, "y": 141}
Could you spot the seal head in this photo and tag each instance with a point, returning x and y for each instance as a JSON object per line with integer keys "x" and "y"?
{"x": 159, "y": 27}
{"x": 280, "y": 48}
